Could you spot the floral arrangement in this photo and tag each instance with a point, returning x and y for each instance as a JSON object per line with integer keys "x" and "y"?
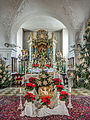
{"x": 48, "y": 65}
{"x": 57, "y": 81}
{"x": 63, "y": 96}
{"x": 59, "y": 87}
{"x": 35, "y": 65}
{"x": 29, "y": 97}
{"x": 30, "y": 86}
{"x": 45, "y": 100}
{"x": 19, "y": 78}
{"x": 32, "y": 80}
{"x": 44, "y": 81}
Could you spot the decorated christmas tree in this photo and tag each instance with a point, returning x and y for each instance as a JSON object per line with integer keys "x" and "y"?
{"x": 5, "y": 75}
{"x": 82, "y": 70}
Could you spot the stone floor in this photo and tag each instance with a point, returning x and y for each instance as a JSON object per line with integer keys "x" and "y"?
{"x": 13, "y": 91}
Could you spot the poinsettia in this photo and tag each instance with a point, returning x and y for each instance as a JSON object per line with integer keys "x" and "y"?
{"x": 59, "y": 87}
{"x": 30, "y": 86}
{"x": 57, "y": 81}
{"x": 63, "y": 96}
{"x": 29, "y": 97}
{"x": 32, "y": 79}
{"x": 45, "y": 100}
{"x": 48, "y": 65}
{"x": 35, "y": 65}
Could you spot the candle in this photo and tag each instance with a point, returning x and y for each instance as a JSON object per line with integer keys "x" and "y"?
{"x": 70, "y": 89}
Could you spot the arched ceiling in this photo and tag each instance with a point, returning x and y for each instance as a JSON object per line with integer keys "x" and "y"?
{"x": 16, "y": 13}
{"x": 42, "y": 22}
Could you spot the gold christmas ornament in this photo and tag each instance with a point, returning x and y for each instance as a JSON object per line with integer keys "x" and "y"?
{"x": 86, "y": 82}
{"x": 77, "y": 78}
{"x": 0, "y": 76}
{"x": 85, "y": 55}
{"x": 10, "y": 78}
{"x": 43, "y": 76}
{"x": 89, "y": 69}
{"x": 85, "y": 65}
{"x": 86, "y": 50}
{"x": 83, "y": 70}
{"x": 0, "y": 65}
{"x": 4, "y": 78}
{"x": 44, "y": 82}
{"x": 0, "y": 70}
{"x": 49, "y": 80}
{"x": 4, "y": 73}
{"x": 39, "y": 83}
{"x": 2, "y": 81}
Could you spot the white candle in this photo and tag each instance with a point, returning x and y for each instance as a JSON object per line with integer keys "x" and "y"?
{"x": 20, "y": 90}
{"x": 70, "y": 89}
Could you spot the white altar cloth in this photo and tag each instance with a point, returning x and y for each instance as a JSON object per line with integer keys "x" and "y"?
{"x": 32, "y": 111}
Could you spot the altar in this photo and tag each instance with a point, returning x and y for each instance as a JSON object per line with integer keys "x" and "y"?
{"x": 45, "y": 93}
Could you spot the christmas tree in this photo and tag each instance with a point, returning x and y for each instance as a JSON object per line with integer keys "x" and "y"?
{"x": 82, "y": 70}
{"x": 5, "y": 75}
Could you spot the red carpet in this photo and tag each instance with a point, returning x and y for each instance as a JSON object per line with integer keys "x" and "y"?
{"x": 80, "y": 111}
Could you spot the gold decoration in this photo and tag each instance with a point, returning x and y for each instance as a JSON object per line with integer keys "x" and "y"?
{"x": 86, "y": 81}
{"x": 39, "y": 83}
{"x": 84, "y": 71}
{"x": 0, "y": 76}
{"x": 0, "y": 65}
{"x": 49, "y": 80}
{"x": 44, "y": 82}
{"x": 4, "y": 73}
{"x": 45, "y": 91}
{"x": 0, "y": 70}
{"x": 86, "y": 50}
{"x": 2, "y": 81}
{"x": 43, "y": 76}
{"x": 77, "y": 78}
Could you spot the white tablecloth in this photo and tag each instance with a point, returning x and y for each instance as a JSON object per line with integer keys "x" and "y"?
{"x": 58, "y": 109}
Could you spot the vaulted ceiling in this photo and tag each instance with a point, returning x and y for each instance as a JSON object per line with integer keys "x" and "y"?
{"x": 34, "y": 14}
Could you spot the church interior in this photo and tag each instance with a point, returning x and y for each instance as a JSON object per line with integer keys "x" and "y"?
{"x": 44, "y": 59}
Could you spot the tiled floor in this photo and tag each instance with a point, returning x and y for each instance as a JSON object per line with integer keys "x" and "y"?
{"x": 13, "y": 91}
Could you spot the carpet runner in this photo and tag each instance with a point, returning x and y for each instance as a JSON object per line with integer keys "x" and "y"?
{"x": 9, "y": 109}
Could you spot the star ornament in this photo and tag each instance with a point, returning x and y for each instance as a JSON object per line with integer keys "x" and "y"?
{"x": 44, "y": 82}
{"x": 86, "y": 82}
{"x": 49, "y": 80}
{"x": 39, "y": 83}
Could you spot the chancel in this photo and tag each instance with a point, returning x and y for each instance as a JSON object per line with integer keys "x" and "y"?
{"x": 44, "y": 59}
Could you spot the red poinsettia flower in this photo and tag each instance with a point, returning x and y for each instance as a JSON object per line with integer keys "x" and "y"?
{"x": 32, "y": 79}
{"x": 47, "y": 65}
{"x": 29, "y": 97}
{"x": 63, "y": 95}
{"x": 30, "y": 86}
{"x": 59, "y": 87}
{"x": 46, "y": 100}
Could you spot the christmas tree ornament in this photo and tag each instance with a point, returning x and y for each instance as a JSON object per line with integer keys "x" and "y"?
{"x": 86, "y": 50}
{"x": 0, "y": 65}
{"x": 77, "y": 78}
{"x": 49, "y": 80}
{"x": 0, "y": 76}
{"x": 89, "y": 69}
{"x": 85, "y": 65}
{"x": 0, "y": 70}
{"x": 39, "y": 83}
{"x": 83, "y": 70}
{"x": 86, "y": 82}
{"x": 45, "y": 82}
